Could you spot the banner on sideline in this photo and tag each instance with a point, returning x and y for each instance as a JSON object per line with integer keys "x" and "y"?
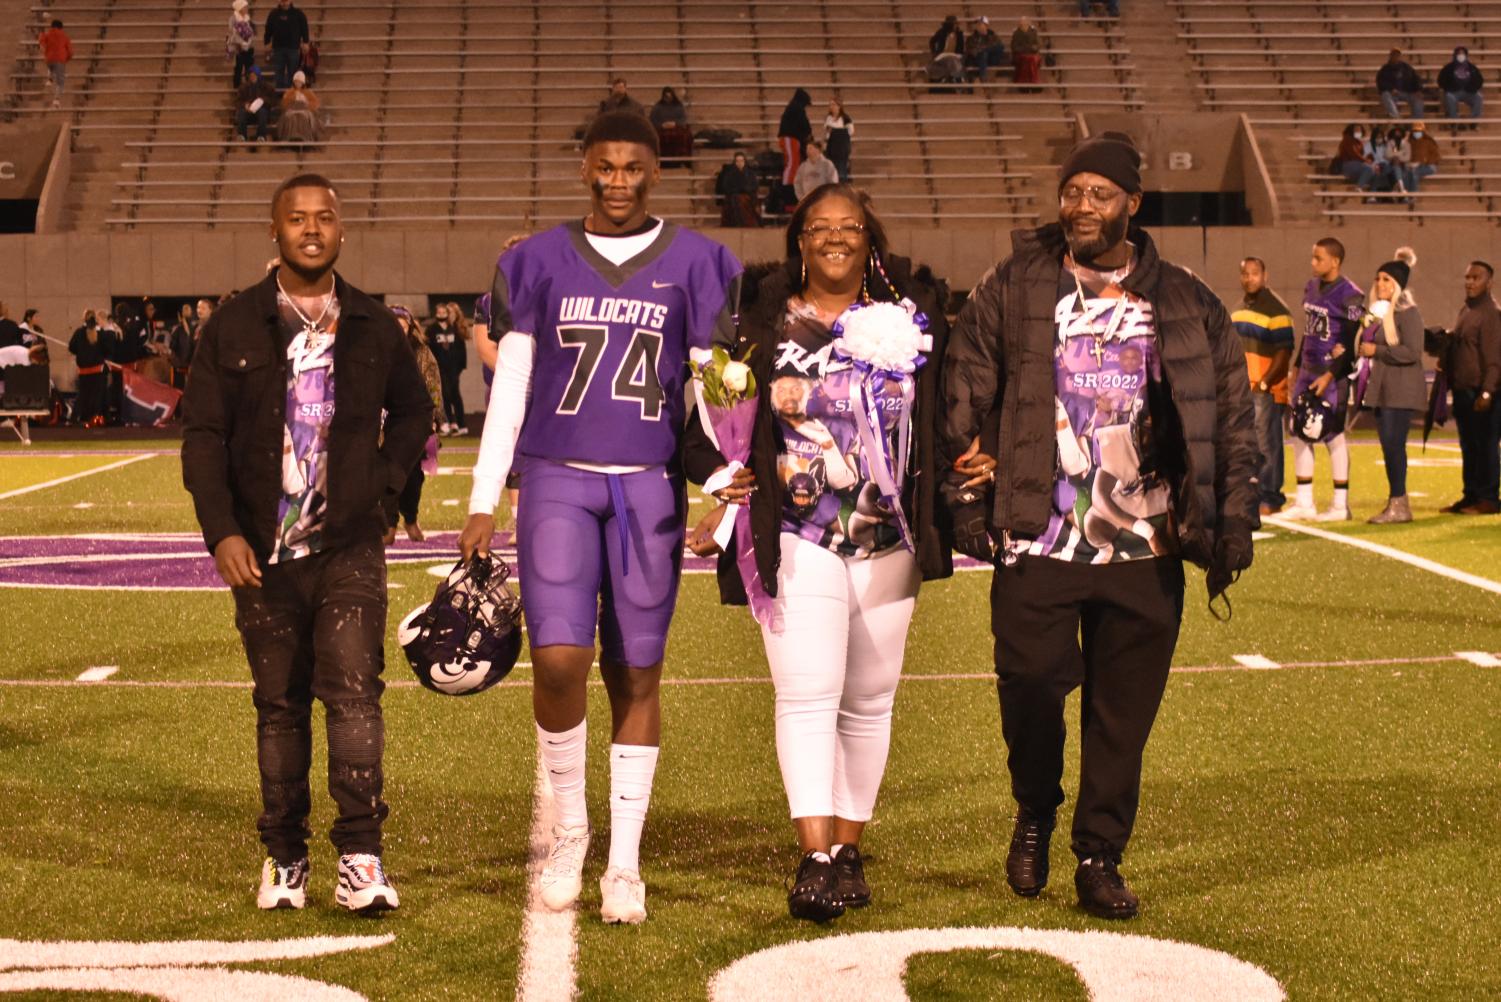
{"x": 146, "y": 401}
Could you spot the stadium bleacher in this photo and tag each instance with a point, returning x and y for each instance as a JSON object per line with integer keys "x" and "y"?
{"x": 465, "y": 110}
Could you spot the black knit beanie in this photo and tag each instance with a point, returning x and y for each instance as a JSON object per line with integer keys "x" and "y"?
{"x": 1110, "y": 154}
{"x": 1399, "y": 271}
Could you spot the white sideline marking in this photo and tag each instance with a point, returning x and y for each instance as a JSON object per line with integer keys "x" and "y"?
{"x": 450, "y": 502}
{"x": 1114, "y": 967}
{"x": 549, "y": 939}
{"x": 1259, "y": 536}
{"x": 1255, "y": 661}
{"x": 76, "y": 476}
{"x": 83, "y": 505}
{"x": 1422, "y": 563}
{"x": 176, "y": 970}
{"x": 98, "y": 673}
{"x": 1480, "y": 658}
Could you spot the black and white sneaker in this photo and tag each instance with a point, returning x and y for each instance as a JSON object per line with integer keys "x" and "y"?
{"x": 282, "y": 886}
{"x": 363, "y": 885}
{"x": 813, "y": 890}
{"x": 849, "y": 869}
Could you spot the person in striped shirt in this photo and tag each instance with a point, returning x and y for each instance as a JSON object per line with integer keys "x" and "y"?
{"x": 1266, "y": 331}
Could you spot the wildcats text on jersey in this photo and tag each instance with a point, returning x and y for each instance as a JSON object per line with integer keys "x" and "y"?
{"x": 611, "y": 310}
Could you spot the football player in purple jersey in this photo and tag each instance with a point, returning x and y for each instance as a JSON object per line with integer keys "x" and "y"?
{"x": 596, "y": 319}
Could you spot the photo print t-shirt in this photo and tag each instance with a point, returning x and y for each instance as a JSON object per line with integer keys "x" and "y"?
{"x": 304, "y": 453}
{"x": 829, "y": 495}
{"x": 1105, "y": 509}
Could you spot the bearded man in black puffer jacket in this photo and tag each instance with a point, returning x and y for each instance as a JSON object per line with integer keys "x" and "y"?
{"x": 1125, "y": 447}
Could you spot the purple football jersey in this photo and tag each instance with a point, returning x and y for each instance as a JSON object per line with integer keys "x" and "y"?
{"x": 612, "y": 341}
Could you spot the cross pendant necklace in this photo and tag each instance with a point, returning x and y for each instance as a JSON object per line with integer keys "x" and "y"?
{"x": 312, "y": 330}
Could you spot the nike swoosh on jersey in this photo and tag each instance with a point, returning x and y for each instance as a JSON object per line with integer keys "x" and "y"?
{"x": 662, "y": 285}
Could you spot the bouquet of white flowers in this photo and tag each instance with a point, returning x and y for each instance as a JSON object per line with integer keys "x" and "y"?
{"x": 885, "y": 341}
{"x": 727, "y": 408}
{"x": 885, "y": 336}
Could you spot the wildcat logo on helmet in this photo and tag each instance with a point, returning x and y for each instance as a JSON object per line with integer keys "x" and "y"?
{"x": 468, "y": 637}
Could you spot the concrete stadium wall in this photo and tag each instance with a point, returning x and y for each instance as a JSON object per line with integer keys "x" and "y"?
{"x": 64, "y": 274}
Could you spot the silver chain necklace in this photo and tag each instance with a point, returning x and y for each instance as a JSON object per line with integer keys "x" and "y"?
{"x": 312, "y": 330}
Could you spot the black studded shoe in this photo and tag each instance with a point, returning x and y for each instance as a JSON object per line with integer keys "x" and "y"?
{"x": 1103, "y": 891}
{"x": 812, "y": 896}
{"x": 850, "y": 889}
{"x": 1027, "y": 861}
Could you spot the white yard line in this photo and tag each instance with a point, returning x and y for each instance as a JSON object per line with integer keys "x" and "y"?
{"x": 76, "y": 476}
{"x": 1422, "y": 563}
{"x": 549, "y": 939}
{"x": 1480, "y": 659}
{"x": 97, "y": 674}
{"x": 1255, "y": 661}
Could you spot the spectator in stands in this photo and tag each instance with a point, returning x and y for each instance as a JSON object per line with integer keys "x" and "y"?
{"x": 286, "y": 33}
{"x": 1396, "y": 153}
{"x": 946, "y": 47}
{"x": 1393, "y": 343}
{"x": 838, "y": 137}
{"x": 1355, "y": 158}
{"x": 619, "y": 99}
{"x": 91, "y": 346}
{"x": 1266, "y": 334}
{"x": 1398, "y": 81}
{"x": 253, "y": 104}
{"x": 1460, "y": 81}
{"x": 447, "y": 340}
{"x": 409, "y": 500}
{"x": 1471, "y": 361}
{"x": 311, "y": 57}
{"x": 57, "y": 52}
{"x": 1112, "y": 7}
{"x": 675, "y": 138}
{"x": 239, "y": 44}
{"x": 1423, "y": 160}
{"x": 983, "y": 49}
{"x": 794, "y": 132}
{"x": 10, "y": 331}
{"x": 816, "y": 171}
{"x": 299, "y": 122}
{"x": 1026, "y": 55}
{"x": 737, "y": 188}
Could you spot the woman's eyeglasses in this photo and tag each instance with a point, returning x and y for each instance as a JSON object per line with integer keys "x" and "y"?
{"x": 820, "y": 233}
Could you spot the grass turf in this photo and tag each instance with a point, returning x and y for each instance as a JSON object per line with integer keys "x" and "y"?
{"x": 1326, "y": 824}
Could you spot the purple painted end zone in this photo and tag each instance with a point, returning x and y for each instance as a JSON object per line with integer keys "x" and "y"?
{"x": 179, "y": 561}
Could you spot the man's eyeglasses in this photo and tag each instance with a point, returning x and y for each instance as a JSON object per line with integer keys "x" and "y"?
{"x": 1099, "y": 196}
{"x": 820, "y": 233}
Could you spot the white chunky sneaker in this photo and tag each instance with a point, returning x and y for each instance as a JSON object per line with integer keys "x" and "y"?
{"x": 363, "y": 886}
{"x": 563, "y": 877}
{"x": 622, "y": 897}
{"x": 1299, "y": 513}
{"x": 282, "y": 886}
{"x": 1333, "y": 514}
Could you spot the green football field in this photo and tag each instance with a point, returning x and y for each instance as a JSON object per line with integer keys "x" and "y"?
{"x": 1320, "y": 801}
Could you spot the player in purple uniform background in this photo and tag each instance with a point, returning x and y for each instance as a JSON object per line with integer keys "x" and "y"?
{"x": 596, "y": 321}
{"x": 1325, "y": 359}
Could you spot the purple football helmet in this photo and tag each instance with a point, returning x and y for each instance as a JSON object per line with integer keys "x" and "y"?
{"x": 469, "y": 636}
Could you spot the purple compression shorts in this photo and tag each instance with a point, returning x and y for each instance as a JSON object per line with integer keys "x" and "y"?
{"x": 600, "y": 548}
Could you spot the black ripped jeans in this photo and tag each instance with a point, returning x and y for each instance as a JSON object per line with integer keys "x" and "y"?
{"x": 316, "y": 627}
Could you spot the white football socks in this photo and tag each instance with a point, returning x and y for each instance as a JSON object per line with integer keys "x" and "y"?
{"x": 632, "y": 768}
{"x": 563, "y": 756}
